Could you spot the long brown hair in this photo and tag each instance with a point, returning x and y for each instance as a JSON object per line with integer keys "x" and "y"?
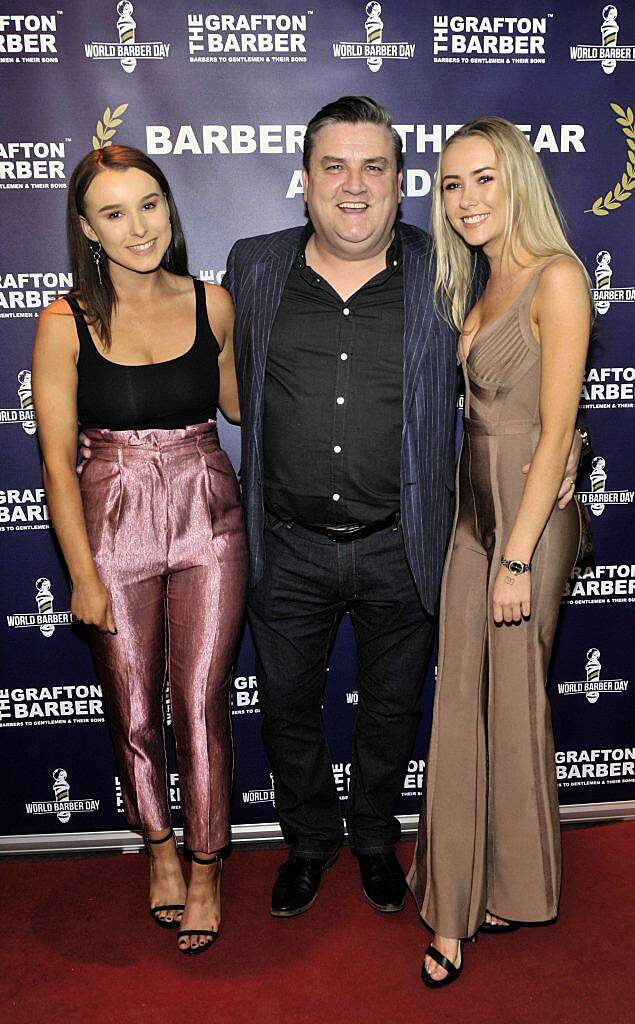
{"x": 98, "y": 299}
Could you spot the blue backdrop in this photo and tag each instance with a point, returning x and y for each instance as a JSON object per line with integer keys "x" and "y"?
{"x": 219, "y": 95}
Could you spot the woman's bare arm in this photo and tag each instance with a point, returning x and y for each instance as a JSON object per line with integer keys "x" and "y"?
{"x": 563, "y": 316}
{"x": 220, "y": 310}
{"x": 54, "y": 377}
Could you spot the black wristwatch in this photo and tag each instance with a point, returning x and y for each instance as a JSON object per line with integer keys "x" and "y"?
{"x": 515, "y": 566}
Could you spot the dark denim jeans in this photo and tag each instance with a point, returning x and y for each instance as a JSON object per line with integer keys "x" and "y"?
{"x": 294, "y": 611}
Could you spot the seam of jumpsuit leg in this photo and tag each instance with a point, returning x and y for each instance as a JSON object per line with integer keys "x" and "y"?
{"x": 532, "y": 682}
{"x": 471, "y": 924}
{"x": 491, "y": 695}
{"x": 430, "y": 781}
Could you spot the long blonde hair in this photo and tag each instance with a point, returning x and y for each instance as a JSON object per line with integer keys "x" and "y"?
{"x": 533, "y": 220}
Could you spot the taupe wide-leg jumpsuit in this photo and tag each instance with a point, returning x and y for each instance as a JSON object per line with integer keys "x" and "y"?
{"x": 489, "y": 833}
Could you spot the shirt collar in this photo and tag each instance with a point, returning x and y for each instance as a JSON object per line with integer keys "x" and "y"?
{"x": 394, "y": 252}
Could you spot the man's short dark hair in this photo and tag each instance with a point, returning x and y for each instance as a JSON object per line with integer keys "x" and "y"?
{"x": 351, "y": 110}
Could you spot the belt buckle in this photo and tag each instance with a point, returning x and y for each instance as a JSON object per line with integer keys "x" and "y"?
{"x": 340, "y": 536}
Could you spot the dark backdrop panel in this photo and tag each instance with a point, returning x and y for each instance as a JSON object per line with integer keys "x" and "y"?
{"x": 220, "y": 95}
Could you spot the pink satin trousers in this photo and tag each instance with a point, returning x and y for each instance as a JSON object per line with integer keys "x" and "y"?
{"x": 165, "y": 526}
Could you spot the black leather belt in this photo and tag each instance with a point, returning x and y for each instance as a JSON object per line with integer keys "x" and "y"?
{"x": 343, "y": 534}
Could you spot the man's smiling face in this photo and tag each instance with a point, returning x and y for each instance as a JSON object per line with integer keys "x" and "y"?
{"x": 352, "y": 189}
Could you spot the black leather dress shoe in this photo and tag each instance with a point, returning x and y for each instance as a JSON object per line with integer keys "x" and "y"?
{"x": 297, "y": 885}
{"x": 383, "y": 881}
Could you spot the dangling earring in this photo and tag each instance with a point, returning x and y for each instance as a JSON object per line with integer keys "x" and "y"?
{"x": 97, "y": 252}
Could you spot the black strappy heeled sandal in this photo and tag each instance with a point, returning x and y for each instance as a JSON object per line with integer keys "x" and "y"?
{"x": 188, "y": 932}
{"x": 155, "y": 911}
{"x": 453, "y": 969}
{"x": 488, "y": 928}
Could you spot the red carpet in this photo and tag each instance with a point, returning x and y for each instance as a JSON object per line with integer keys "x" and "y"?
{"x": 80, "y": 948}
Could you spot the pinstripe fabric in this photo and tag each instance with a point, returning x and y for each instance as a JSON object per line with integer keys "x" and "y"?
{"x": 257, "y": 270}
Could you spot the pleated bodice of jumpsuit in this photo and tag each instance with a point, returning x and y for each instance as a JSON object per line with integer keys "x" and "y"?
{"x": 489, "y": 835}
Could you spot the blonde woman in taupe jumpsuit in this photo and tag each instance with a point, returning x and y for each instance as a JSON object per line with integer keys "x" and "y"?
{"x": 488, "y": 853}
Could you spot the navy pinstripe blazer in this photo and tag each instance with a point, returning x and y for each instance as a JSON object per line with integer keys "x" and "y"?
{"x": 257, "y": 272}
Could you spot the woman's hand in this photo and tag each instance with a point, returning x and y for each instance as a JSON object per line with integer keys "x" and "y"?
{"x": 90, "y": 603}
{"x": 85, "y": 453}
{"x": 511, "y": 596}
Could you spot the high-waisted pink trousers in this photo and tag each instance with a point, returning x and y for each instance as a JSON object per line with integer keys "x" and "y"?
{"x": 165, "y": 527}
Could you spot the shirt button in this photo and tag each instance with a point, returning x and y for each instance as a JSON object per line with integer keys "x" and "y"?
{"x": 346, "y": 311}
{"x": 344, "y": 356}
{"x": 340, "y": 400}
{"x": 336, "y": 497}
{"x": 337, "y": 449}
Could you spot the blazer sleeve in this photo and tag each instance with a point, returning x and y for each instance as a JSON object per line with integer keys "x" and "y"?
{"x": 229, "y": 280}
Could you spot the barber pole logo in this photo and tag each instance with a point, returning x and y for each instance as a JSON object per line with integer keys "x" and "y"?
{"x": 609, "y": 30}
{"x": 128, "y": 50}
{"x": 25, "y": 413}
{"x": 598, "y": 485}
{"x": 593, "y": 670}
{"x": 603, "y": 275}
{"x": 25, "y": 394}
{"x": 608, "y": 54}
{"x": 45, "y": 619}
{"x": 61, "y": 806}
{"x": 605, "y": 292}
{"x": 44, "y": 599}
{"x": 599, "y": 497}
{"x": 594, "y": 684}
{"x": 375, "y": 50}
{"x": 62, "y": 793}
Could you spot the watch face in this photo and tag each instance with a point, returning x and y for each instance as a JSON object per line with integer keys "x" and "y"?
{"x": 515, "y": 567}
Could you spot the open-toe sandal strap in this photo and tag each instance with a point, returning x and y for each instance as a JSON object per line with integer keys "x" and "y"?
{"x": 215, "y": 859}
{"x": 157, "y": 842}
{"x": 197, "y": 931}
{"x": 167, "y": 906}
{"x": 442, "y": 960}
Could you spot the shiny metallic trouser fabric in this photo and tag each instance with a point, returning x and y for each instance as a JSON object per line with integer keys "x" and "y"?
{"x": 165, "y": 526}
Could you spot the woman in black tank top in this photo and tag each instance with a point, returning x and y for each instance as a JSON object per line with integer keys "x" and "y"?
{"x": 140, "y": 355}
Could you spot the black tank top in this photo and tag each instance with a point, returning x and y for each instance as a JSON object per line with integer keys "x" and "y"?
{"x": 167, "y": 395}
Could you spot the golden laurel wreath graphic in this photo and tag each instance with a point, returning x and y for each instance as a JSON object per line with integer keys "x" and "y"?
{"x": 107, "y": 126}
{"x": 626, "y": 186}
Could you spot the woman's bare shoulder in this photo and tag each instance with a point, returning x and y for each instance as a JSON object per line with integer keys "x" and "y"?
{"x": 56, "y": 329}
{"x": 563, "y": 271}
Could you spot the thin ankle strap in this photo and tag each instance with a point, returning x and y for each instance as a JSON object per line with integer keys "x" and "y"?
{"x": 214, "y": 859}
{"x": 157, "y": 842}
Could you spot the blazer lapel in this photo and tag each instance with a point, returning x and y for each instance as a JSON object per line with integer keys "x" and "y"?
{"x": 419, "y": 320}
{"x": 270, "y": 277}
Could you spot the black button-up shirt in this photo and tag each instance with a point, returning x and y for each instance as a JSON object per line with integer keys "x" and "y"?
{"x": 333, "y": 398}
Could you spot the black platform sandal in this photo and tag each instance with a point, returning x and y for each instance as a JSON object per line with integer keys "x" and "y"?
{"x": 155, "y": 911}
{"x": 188, "y": 932}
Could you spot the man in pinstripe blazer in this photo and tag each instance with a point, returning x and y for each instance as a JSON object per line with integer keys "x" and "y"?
{"x": 348, "y": 392}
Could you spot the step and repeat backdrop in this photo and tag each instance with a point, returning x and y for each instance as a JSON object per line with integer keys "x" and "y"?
{"x": 219, "y": 94}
